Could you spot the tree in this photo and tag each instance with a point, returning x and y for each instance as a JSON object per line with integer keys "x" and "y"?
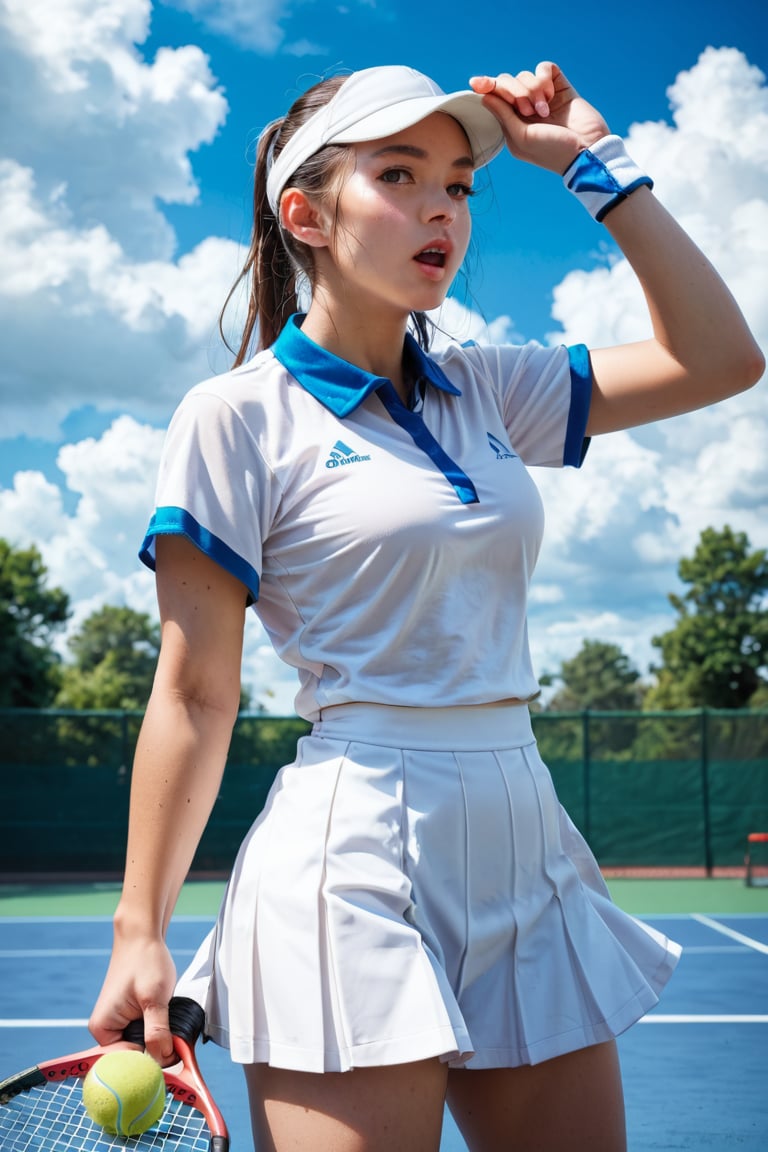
{"x": 115, "y": 653}
{"x": 600, "y": 677}
{"x": 715, "y": 655}
{"x": 31, "y": 614}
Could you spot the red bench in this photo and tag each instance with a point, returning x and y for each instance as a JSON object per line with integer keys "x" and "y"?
{"x": 753, "y": 839}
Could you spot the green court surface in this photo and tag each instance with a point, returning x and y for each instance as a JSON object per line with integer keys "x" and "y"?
{"x": 718, "y": 895}
{"x": 201, "y": 898}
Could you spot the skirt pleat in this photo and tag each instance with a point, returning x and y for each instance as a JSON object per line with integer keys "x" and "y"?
{"x": 413, "y": 888}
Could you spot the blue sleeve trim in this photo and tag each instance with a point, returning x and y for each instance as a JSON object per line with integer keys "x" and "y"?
{"x": 170, "y": 521}
{"x": 576, "y": 440}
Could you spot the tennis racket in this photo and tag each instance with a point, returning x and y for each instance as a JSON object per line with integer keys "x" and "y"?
{"x": 41, "y": 1110}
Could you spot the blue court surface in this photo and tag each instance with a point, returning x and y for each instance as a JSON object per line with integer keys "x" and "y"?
{"x": 695, "y": 1069}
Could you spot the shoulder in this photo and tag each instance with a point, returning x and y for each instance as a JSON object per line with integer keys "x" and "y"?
{"x": 228, "y": 416}
{"x": 257, "y": 416}
{"x": 255, "y": 402}
{"x": 256, "y": 381}
{"x": 541, "y": 392}
{"x": 501, "y": 365}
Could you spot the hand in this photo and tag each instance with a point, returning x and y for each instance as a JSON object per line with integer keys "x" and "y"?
{"x": 544, "y": 119}
{"x": 139, "y": 984}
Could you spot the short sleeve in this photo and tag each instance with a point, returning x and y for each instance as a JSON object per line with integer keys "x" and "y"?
{"x": 544, "y": 395}
{"x": 214, "y": 488}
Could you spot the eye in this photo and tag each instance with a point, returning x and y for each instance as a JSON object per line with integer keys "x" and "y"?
{"x": 461, "y": 191}
{"x": 395, "y": 176}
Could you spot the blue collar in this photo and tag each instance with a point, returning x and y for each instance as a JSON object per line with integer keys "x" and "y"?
{"x": 336, "y": 383}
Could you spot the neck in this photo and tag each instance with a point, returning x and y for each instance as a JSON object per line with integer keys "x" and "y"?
{"x": 376, "y": 346}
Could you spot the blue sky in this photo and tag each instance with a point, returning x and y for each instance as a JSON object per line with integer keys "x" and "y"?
{"x": 127, "y": 132}
{"x": 620, "y": 57}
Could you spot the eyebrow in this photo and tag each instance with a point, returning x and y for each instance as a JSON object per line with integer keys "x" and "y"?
{"x": 419, "y": 154}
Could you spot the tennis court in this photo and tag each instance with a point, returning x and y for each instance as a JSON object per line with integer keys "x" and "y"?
{"x": 695, "y": 1068}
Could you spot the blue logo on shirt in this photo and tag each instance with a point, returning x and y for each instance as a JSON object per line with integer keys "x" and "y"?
{"x": 342, "y": 454}
{"x": 501, "y": 450}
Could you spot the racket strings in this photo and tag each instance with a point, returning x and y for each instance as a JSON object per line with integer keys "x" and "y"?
{"x": 52, "y": 1119}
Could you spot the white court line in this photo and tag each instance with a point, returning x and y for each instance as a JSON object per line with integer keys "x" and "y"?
{"x": 37, "y": 953}
{"x": 658, "y": 1018}
{"x": 43, "y": 1023}
{"x": 182, "y": 918}
{"x": 654, "y": 1018}
{"x": 688, "y": 915}
{"x": 734, "y": 935}
{"x": 66, "y": 953}
{"x": 719, "y": 949}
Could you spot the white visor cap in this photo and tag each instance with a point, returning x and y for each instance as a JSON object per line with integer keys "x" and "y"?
{"x": 378, "y": 102}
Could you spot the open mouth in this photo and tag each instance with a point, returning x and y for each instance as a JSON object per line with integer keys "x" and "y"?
{"x": 434, "y": 256}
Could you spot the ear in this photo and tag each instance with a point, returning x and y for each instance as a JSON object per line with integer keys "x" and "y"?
{"x": 304, "y": 219}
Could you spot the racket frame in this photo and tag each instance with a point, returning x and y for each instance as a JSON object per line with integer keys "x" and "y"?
{"x": 183, "y": 1079}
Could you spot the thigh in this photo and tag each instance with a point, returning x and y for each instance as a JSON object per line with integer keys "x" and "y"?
{"x": 573, "y": 1103}
{"x": 366, "y": 1110}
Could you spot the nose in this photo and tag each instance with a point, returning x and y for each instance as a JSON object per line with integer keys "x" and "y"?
{"x": 439, "y": 205}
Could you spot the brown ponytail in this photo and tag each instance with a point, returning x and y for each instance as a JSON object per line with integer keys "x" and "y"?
{"x": 272, "y": 287}
{"x": 276, "y": 259}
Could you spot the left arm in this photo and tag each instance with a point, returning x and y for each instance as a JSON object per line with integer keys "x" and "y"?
{"x": 701, "y": 350}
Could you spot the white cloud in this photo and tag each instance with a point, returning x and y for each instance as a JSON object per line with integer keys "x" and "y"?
{"x": 112, "y": 479}
{"x": 118, "y": 332}
{"x": 109, "y": 132}
{"x": 454, "y": 321}
{"x": 255, "y": 24}
{"x": 92, "y": 552}
{"x": 562, "y": 639}
{"x": 97, "y": 310}
{"x": 709, "y": 169}
{"x": 251, "y": 23}
{"x": 304, "y": 48}
{"x": 272, "y": 683}
{"x": 94, "y": 309}
{"x": 31, "y": 512}
{"x": 63, "y": 34}
{"x": 617, "y": 529}
{"x": 723, "y": 480}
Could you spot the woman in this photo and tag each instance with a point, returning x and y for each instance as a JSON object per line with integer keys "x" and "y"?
{"x": 413, "y": 918}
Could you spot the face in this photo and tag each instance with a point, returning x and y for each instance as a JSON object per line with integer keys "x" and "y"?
{"x": 403, "y": 219}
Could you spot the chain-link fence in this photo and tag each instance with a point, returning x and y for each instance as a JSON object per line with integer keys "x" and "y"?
{"x": 662, "y": 789}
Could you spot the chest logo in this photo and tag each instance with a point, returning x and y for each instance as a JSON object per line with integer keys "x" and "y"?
{"x": 342, "y": 454}
{"x": 501, "y": 450}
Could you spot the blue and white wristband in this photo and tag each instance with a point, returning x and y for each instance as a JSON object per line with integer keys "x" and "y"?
{"x": 603, "y": 176}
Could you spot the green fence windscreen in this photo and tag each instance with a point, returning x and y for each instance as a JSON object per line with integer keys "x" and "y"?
{"x": 665, "y": 789}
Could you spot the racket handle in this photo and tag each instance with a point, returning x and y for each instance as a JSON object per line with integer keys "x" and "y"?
{"x": 187, "y": 1019}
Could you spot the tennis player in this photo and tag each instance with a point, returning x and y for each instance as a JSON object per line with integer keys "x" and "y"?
{"x": 413, "y": 917}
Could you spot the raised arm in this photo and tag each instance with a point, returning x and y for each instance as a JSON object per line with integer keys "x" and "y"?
{"x": 177, "y": 771}
{"x": 701, "y": 350}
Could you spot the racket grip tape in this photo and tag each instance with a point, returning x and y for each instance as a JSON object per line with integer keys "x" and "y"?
{"x": 186, "y": 1018}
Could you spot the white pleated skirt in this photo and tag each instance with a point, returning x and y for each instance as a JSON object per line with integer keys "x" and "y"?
{"x": 413, "y": 888}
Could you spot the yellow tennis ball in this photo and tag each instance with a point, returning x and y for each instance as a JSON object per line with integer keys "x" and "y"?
{"x": 124, "y": 1092}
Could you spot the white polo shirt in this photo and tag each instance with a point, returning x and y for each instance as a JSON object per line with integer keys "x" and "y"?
{"x": 388, "y": 550}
